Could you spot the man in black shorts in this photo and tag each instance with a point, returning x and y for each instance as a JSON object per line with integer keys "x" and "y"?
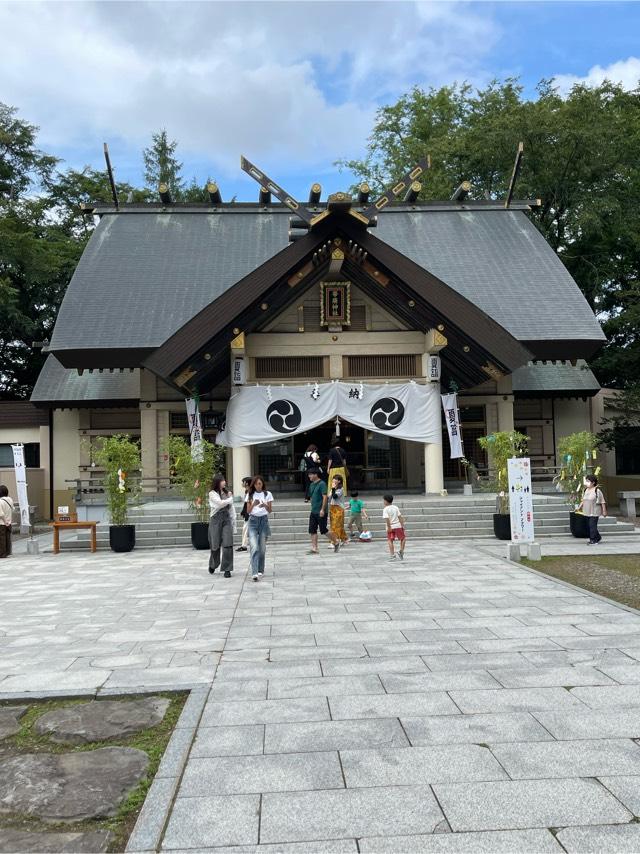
{"x": 318, "y": 516}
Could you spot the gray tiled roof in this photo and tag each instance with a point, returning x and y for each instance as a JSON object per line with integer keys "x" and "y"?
{"x": 62, "y": 385}
{"x": 143, "y": 275}
{"x": 555, "y": 377}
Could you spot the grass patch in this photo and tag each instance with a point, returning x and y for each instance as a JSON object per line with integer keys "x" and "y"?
{"x": 615, "y": 576}
{"x": 152, "y": 741}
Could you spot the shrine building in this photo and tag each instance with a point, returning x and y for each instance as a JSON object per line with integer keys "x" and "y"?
{"x": 172, "y": 301}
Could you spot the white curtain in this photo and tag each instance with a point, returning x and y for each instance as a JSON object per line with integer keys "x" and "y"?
{"x": 257, "y": 414}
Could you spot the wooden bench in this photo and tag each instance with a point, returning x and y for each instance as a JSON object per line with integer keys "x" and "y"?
{"x": 69, "y": 521}
{"x": 629, "y": 505}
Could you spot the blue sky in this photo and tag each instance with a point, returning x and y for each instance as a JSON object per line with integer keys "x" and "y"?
{"x": 292, "y": 85}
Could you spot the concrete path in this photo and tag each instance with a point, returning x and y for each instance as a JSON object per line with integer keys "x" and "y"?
{"x": 450, "y": 703}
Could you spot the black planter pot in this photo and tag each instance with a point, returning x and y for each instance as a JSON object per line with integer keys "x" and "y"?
{"x": 502, "y": 526}
{"x": 579, "y": 525}
{"x": 122, "y": 538}
{"x": 200, "y": 535}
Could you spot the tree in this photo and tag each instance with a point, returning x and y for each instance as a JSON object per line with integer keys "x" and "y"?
{"x": 37, "y": 256}
{"x": 580, "y": 159}
{"x": 161, "y": 166}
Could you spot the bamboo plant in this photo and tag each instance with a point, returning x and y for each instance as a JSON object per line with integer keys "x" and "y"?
{"x": 192, "y": 477}
{"x": 119, "y": 456}
{"x": 501, "y": 447}
{"x": 578, "y": 456}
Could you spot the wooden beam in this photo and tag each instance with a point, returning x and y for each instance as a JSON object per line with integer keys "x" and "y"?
{"x": 264, "y": 197}
{"x": 412, "y": 193}
{"x": 514, "y": 174}
{"x": 363, "y": 193}
{"x": 314, "y": 194}
{"x": 461, "y": 193}
{"x": 112, "y": 183}
{"x": 165, "y": 195}
{"x": 215, "y": 196}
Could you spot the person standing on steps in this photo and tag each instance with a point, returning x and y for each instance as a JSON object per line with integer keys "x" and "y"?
{"x": 259, "y": 505}
{"x": 6, "y": 521}
{"x": 221, "y": 527}
{"x": 244, "y": 545}
{"x": 318, "y": 515}
{"x": 395, "y": 527}
{"x": 337, "y": 463}
{"x": 336, "y": 514}
{"x": 310, "y": 460}
{"x": 593, "y": 505}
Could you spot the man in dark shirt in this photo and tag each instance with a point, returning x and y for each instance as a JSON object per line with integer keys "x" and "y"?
{"x": 318, "y": 515}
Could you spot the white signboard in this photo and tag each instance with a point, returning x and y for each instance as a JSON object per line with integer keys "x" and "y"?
{"x": 239, "y": 372}
{"x": 520, "y": 500}
{"x": 258, "y": 414}
{"x": 21, "y": 485}
{"x": 195, "y": 428}
{"x": 452, "y": 417}
{"x": 435, "y": 368}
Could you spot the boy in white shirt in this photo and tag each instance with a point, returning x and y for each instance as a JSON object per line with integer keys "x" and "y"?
{"x": 395, "y": 527}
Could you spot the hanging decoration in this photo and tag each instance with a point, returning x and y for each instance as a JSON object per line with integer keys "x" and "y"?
{"x": 452, "y": 417}
{"x": 256, "y": 414}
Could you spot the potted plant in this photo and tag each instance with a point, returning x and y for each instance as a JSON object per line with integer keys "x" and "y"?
{"x": 191, "y": 475}
{"x": 119, "y": 456}
{"x": 578, "y": 457}
{"x": 502, "y": 446}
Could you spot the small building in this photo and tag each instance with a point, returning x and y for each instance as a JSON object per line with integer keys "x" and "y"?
{"x": 168, "y": 297}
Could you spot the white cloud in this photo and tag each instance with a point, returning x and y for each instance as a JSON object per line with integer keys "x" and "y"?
{"x": 281, "y": 82}
{"x": 625, "y": 71}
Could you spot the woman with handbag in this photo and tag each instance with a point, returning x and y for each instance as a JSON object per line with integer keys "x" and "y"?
{"x": 6, "y": 520}
{"x": 593, "y": 505}
{"x": 221, "y": 527}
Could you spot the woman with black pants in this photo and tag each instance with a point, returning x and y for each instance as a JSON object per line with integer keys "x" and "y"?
{"x": 593, "y": 505}
{"x": 221, "y": 525}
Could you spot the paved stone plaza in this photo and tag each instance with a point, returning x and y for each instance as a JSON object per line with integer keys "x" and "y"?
{"x": 450, "y": 703}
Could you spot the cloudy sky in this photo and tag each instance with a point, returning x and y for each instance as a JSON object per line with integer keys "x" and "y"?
{"x": 292, "y": 85}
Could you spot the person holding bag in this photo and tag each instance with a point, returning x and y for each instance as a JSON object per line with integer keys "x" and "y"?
{"x": 221, "y": 527}
{"x": 337, "y": 464}
{"x": 6, "y": 520}
{"x": 593, "y": 505}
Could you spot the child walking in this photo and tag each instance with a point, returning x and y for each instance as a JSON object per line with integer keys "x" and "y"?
{"x": 356, "y": 513}
{"x": 395, "y": 527}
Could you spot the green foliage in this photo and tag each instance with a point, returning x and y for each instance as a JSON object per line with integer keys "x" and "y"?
{"x": 119, "y": 453}
{"x": 501, "y": 447}
{"x": 578, "y": 456}
{"x": 193, "y": 477}
{"x": 580, "y": 159}
{"x": 161, "y": 166}
{"x": 620, "y": 431}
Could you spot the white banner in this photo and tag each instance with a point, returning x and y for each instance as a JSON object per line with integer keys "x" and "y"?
{"x": 21, "y": 485}
{"x": 452, "y": 417}
{"x": 257, "y": 414}
{"x": 520, "y": 500}
{"x": 195, "y": 428}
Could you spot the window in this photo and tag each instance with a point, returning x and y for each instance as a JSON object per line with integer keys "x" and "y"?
{"x": 31, "y": 455}
{"x": 291, "y": 367}
{"x": 382, "y": 366}
{"x": 628, "y": 451}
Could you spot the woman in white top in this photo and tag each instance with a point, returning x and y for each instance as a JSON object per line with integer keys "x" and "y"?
{"x": 593, "y": 505}
{"x": 6, "y": 518}
{"x": 259, "y": 505}
{"x": 221, "y": 525}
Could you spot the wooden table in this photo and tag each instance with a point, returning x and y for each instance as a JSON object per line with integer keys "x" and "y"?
{"x": 58, "y": 526}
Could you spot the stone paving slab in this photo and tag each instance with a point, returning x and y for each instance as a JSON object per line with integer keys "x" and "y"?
{"x": 311, "y": 816}
{"x": 595, "y": 840}
{"x": 528, "y": 803}
{"x": 626, "y": 789}
{"x": 213, "y": 820}
{"x": 334, "y": 735}
{"x": 487, "y": 842}
{"x": 566, "y": 759}
{"x": 474, "y": 729}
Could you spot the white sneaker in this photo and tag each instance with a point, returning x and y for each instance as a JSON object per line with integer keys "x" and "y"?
{"x": 391, "y": 558}
{"x": 260, "y": 574}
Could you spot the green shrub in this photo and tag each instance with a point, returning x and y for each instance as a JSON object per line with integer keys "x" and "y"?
{"x": 192, "y": 477}
{"x": 119, "y": 456}
{"x": 501, "y": 447}
{"x": 578, "y": 458}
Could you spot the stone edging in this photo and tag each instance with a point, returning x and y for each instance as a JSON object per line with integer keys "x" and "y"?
{"x": 149, "y": 827}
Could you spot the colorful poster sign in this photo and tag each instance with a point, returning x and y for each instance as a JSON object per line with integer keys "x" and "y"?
{"x": 452, "y": 418}
{"x": 520, "y": 499}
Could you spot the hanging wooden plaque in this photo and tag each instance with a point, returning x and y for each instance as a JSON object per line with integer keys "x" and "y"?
{"x": 335, "y": 303}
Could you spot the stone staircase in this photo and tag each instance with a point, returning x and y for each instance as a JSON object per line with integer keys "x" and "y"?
{"x": 165, "y": 524}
